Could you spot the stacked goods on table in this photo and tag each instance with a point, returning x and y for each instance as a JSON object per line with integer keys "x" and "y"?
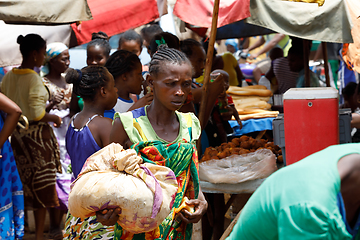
{"x": 251, "y": 102}
{"x": 239, "y": 146}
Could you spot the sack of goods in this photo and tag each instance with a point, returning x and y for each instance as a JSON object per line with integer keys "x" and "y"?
{"x": 239, "y": 168}
{"x": 114, "y": 177}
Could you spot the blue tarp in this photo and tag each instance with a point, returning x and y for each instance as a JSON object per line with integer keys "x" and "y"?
{"x": 241, "y": 29}
{"x": 251, "y": 125}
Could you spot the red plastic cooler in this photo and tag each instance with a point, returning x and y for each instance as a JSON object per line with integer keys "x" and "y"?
{"x": 311, "y": 121}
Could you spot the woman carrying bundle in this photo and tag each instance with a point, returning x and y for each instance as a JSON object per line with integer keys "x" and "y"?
{"x": 159, "y": 128}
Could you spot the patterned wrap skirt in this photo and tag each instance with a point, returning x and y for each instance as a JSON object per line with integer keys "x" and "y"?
{"x": 36, "y": 153}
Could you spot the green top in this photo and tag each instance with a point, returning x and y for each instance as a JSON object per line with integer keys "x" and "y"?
{"x": 80, "y": 103}
{"x": 298, "y": 201}
{"x": 138, "y": 126}
{"x": 180, "y": 156}
{"x": 284, "y": 44}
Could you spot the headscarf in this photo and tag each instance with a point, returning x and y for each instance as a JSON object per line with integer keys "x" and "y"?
{"x": 52, "y": 50}
{"x": 232, "y": 42}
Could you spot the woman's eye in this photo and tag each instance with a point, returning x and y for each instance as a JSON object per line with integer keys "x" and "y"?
{"x": 187, "y": 84}
{"x": 170, "y": 83}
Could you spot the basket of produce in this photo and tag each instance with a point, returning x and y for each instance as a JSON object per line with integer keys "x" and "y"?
{"x": 242, "y": 159}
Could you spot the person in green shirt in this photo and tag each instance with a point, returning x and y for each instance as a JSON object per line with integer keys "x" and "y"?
{"x": 315, "y": 198}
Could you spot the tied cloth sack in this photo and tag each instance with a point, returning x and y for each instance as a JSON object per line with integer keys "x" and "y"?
{"x": 114, "y": 177}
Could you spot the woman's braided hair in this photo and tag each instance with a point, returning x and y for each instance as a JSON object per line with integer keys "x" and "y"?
{"x": 121, "y": 62}
{"x": 164, "y": 38}
{"x": 87, "y": 81}
{"x": 166, "y": 55}
{"x": 100, "y": 39}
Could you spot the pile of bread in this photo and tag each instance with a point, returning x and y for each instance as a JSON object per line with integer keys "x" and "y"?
{"x": 239, "y": 146}
{"x": 251, "y": 102}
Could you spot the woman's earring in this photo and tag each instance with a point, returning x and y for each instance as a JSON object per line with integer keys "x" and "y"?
{"x": 35, "y": 59}
{"x": 358, "y": 100}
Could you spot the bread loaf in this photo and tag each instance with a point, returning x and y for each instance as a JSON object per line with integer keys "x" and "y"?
{"x": 235, "y": 97}
{"x": 240, "y": 91}
{"x": 252, "y": 104}
{"x": 259, "y": 115}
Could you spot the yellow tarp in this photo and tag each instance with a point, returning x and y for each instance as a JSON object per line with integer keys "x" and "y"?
{"x": 319, "y": 2}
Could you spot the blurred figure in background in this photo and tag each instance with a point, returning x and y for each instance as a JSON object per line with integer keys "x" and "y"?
{"x": 269, "y": 41}
{"x": 57, "y": 61}
{"x": 232, "y": 46}
{"x": 97, "y": 51}
{"x": 131, "y": 41}
{"x": 148, "y": 32}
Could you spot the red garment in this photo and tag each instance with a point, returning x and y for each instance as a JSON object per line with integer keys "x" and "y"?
{"x": 229, "y": 98}
{"x": 114, "y": 16}
{"x": 199, "y": 12}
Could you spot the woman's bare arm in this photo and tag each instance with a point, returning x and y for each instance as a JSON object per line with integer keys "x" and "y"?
{"x": 74, "y": 105}
{"x": 13, "y": 112}
{"x": 119, "y": 135}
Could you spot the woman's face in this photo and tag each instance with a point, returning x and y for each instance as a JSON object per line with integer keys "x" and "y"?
{"x": 96, "y": 56}
{"x": 197, "y": 59}
{"x": 131, "y": 46}
{"x": 171, "y": 85}
{"x": 39, "y": 56}
{"x": 61, "y": 62}
{"x": 135, "y": 79}
{"x": 230, "y": 48}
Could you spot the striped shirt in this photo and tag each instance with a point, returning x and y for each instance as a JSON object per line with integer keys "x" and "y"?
{"x": 285, "y": 78}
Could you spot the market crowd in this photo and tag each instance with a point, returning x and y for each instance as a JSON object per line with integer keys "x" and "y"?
{"x": 67, "y": 115}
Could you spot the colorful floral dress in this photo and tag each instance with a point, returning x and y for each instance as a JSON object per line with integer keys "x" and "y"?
{"x": 63, "y": 179}
{"x": 11, "y": 195}
{"x": 179, "y": 155}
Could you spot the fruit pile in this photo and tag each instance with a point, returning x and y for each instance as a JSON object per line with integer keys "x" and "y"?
{"x": 239, "y": 146}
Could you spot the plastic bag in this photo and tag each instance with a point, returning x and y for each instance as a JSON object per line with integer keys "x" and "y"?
{"x": 113, "y": 177}
{"x": 239, "y": 168}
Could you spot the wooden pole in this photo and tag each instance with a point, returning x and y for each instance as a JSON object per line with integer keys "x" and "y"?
{"x": 208, "y": 65}
{"x": 326, "y": 65}
{"x": 306, "y": 62}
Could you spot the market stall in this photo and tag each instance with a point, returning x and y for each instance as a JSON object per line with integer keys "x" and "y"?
{"x": 310, "y": 13}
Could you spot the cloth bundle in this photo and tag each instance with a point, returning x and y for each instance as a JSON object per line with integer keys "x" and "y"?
{"x": 114, "y": 177}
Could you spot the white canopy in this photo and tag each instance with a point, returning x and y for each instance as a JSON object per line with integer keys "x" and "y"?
{"x": 44, "y": 11}
{"x": 329, "y": 23}
{"x": 10, "y": 52}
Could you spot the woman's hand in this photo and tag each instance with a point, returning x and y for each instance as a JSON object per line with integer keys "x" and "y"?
{"x": 57, "y": 122}
{"x": 240, "y": 123}
{"x": 58, "y": 97}
{"x": 217, "y": 86}
{"x": 253, "y": 56}
{"x": 200, "y": 206}
{"x": 108, "y": 217}
{"x": 142, "y": 102}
